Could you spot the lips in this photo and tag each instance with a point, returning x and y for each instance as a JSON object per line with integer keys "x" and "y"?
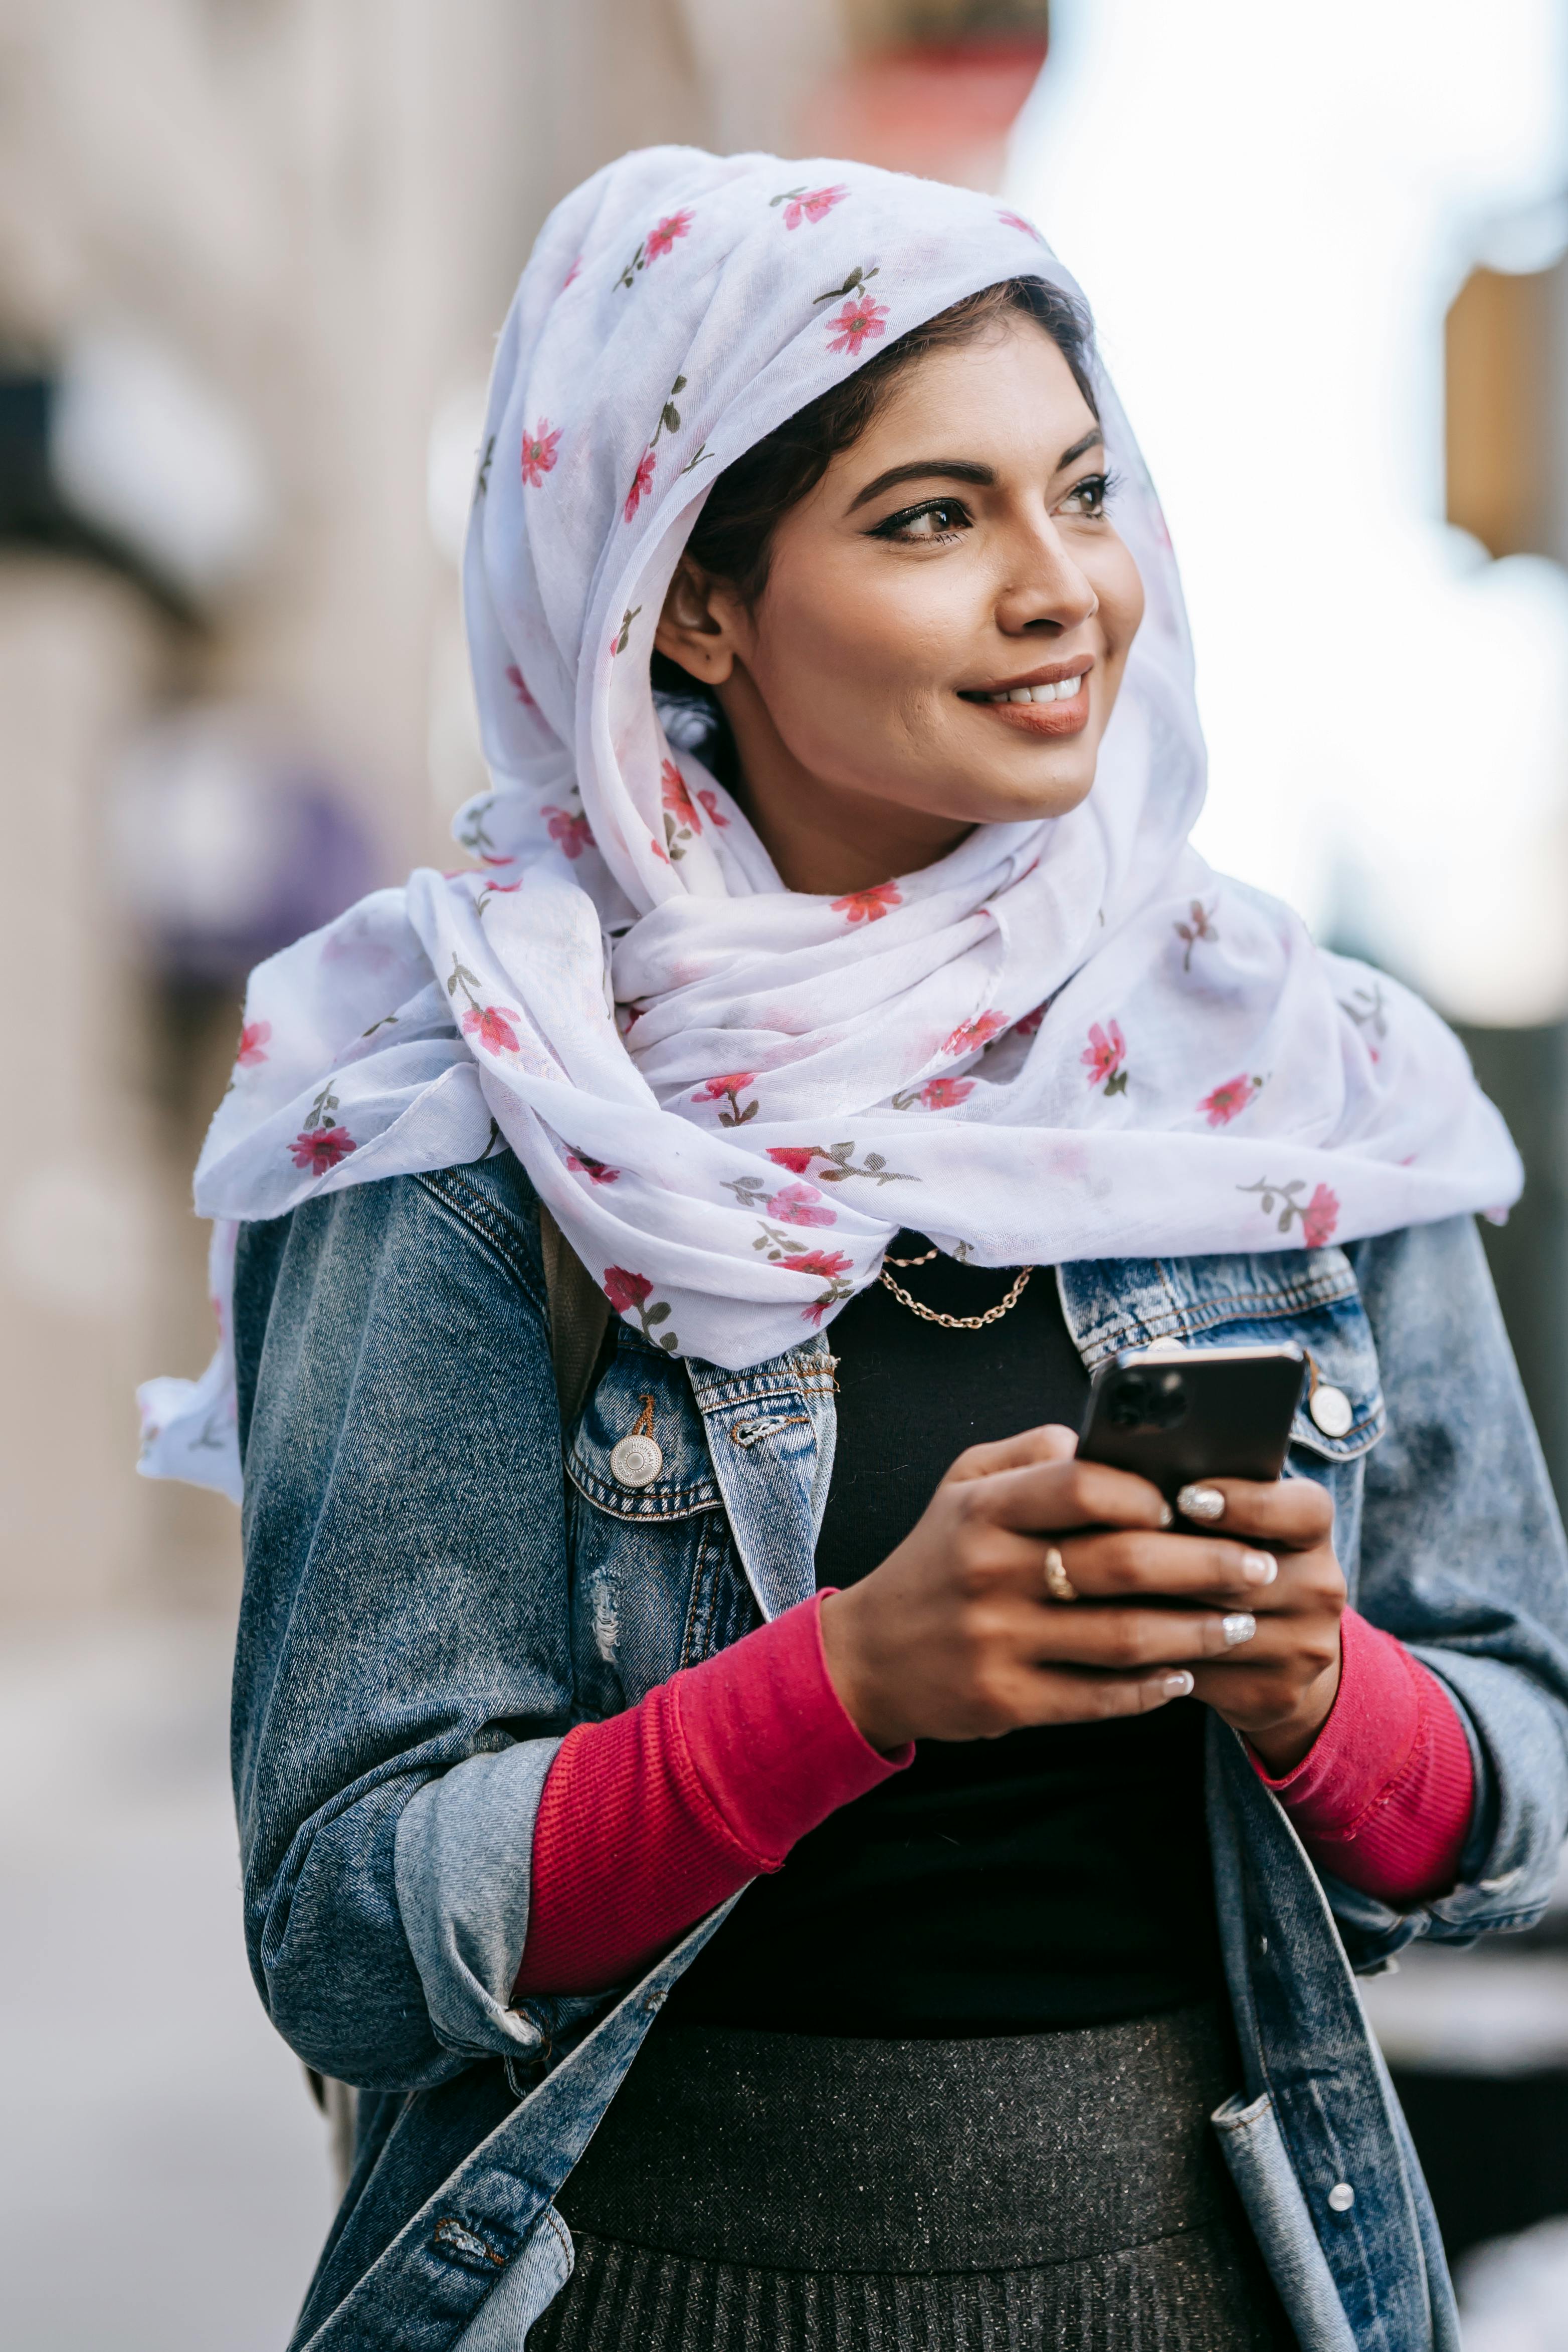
{"x": 1060, "y": 715}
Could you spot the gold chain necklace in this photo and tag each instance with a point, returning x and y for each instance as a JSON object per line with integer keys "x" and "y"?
{"x": 952, "y": 1322}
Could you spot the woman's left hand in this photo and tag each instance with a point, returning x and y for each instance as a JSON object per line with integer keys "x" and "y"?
{"x": 1278, "y": 1688}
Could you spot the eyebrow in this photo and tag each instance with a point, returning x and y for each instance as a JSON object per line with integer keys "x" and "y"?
{"x": 960, "y": 470}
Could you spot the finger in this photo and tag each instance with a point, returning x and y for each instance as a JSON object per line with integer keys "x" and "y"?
{"x": 1066, "y": 1697}
{"x": 1049, "y": 1443}
{"x": 1296, "y": 1512}
{"x": 1125, "y": 1639}
{"x": 1113, "y": 1565}
{"x": 1047, "y": 1495}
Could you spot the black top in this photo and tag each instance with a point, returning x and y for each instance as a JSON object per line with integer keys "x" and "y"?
{"x": 1049, "y": 1878}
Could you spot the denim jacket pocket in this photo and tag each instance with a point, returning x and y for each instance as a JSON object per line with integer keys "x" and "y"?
{"x": 1309, "y": 1296}
{"x": 1341, "y": 1365}
{"x": 642, "y": 1393}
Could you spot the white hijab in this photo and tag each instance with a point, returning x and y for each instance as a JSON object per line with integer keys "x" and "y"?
{"x": 1067, "y": 1039}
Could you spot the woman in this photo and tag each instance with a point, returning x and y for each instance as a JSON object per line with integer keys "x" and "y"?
{"x": 852, "y": 1009}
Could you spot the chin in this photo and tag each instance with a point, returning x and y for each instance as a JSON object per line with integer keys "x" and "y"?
{"x": 1013, "y": 800}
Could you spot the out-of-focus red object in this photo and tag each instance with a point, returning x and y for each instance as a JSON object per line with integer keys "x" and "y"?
{"x": 943, "y": 111}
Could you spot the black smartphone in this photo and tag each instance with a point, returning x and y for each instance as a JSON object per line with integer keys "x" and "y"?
{"x": 1180, "y": 1414}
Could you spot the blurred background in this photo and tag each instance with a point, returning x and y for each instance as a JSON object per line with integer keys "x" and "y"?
{"x": 253, "y": 254}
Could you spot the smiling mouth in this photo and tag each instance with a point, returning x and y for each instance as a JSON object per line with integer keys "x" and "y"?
{"x": 1061, "y": 689}
{"x": 1045, "y": 707}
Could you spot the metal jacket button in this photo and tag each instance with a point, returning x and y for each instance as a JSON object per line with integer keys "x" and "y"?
{"x": 1342, "y": 2196}
{"x": 1332, "y": 1409}
{"x": 637, "y": 1461}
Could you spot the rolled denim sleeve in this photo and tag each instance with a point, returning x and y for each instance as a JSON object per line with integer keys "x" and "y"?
{"x": 1462, "y": 1556}
{"x": 403, "y": 1676}
{"x": 464, "y": 1865}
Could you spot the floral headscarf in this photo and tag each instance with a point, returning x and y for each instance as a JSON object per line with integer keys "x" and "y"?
{"x": 1067, "y": 1039}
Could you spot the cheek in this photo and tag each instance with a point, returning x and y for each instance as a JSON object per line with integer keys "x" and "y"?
{"x": 1118, "y": 584}
{"x": 835, "y": 654}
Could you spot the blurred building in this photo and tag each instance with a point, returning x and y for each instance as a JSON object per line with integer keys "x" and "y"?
{"x": 252, "y": 260}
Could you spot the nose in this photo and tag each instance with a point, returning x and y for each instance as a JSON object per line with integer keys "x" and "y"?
{"x": 1044, "y": 592}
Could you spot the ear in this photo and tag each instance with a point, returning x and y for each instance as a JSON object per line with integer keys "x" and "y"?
{"x": 696, "y": 626}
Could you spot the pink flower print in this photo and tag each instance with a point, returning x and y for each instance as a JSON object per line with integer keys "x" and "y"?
{"x": 489, "y": 891}
{"x": 571, "y": 274}
{"x": 661, "y": 239}
{"x": 681, "y": 819}
{"x": 833, "y": 1267}
{"x": 674, "y": 794}
{"x": 321, "y": 1148}
{"x": 642, "y": 482}
{"x": 491, "y": 1026}
{"x": 978, "y": 1032}
{"x": 829, "y": 1264}
{"x": 629, "y": 1293}
{"x": 811, "y": 205}
{"x": 860, "y": 322}
{"x": 321, "y": 1142}
{"x": 710, "y": 801}
{"x": 1030, "y": 1021}
{"x": 729, "y": 1087}
{"x": 1226, "y": 1101}
{"x": 1197, "y": 930}
{"x": 254, "y": 1039}
{"x": 838, "y": 1166}
{"x": 1105, "y": 1056}
{"x": 624, "y": 1289}
{"x": 1016, "y": 220}
{"x": 1319, "y": 1217}
{"x": 571, "y": 833}
{"x": 595, "y": 1169}
{"x": 869, "y": 906}
{"x": 937, "y": 1094}
{"x": 538, "y": 453}
{"x": 519, "y": 685}
{"x": 801, "y": 1204}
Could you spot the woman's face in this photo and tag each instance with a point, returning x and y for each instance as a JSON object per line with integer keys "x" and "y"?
{"x": 944, "y": 627}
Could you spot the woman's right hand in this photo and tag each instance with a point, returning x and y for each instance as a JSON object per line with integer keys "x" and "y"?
{"x": 955, "y": 1636}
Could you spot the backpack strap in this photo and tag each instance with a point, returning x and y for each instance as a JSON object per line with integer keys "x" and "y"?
{"x": 579, "y": 1317}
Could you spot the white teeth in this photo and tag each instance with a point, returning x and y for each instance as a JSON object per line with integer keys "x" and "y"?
{"x": 1063, "y": 691}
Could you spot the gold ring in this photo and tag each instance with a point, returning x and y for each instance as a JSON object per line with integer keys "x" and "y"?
{"x": 1059, "y": 1583}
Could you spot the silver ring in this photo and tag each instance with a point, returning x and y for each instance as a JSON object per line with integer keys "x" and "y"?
{"x": 1059, "y": 1583}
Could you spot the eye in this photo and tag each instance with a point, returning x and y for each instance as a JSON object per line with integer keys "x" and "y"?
{"x": 1087, "y": 498}
{"x": 924, "y": 526}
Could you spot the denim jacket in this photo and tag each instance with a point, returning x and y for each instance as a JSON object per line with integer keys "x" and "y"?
{"x": 437, "y": 1588}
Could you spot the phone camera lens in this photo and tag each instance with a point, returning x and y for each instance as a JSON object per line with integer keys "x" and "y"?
{"x": 1148, "y": 1400}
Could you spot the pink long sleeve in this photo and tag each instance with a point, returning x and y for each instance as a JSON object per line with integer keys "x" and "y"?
{"x": 1382, "y": 1798}
{"x": 651, "y": 1818}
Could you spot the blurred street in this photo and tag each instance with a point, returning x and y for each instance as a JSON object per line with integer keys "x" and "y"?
{"x": 164, "y": 2181}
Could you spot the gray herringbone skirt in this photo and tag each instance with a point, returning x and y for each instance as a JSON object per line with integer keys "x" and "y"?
{"x": 791, "y": 2192}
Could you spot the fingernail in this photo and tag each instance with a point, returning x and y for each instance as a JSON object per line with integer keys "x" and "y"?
{"x": 1238, "y": 1628}
{"x": 1178, "y": 1685}
{"x": 1167, "y": 1517}
{"x": 1201, "y": 1503}
{"x": 1260, "y": 1566}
